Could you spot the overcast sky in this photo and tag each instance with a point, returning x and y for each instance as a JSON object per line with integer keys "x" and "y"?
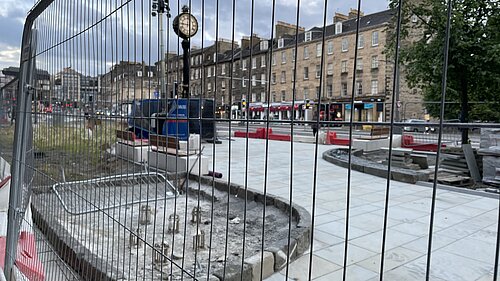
{"x": 13, "y": 12}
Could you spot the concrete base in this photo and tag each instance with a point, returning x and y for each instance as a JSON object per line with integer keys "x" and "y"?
{"x": 376, "y": 144}
{"x": 171, "y": 163}
{"x": 133, "y": 153}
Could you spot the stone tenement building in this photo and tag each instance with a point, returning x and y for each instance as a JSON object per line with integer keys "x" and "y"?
{"x": 127, "y": 81}
{"x": 334, "y": 63}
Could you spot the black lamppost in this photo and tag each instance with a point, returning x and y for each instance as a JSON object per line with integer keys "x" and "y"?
{"x": 185, "y": 26}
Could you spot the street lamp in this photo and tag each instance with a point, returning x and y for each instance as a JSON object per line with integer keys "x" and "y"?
{"x": 185, "y": 26}
{"x": 160, "y": 7}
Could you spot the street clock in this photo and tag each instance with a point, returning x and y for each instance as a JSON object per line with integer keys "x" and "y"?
{"x": 185, "y": 24}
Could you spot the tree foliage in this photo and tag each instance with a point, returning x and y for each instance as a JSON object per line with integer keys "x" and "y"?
{"x": 473, "y": 57}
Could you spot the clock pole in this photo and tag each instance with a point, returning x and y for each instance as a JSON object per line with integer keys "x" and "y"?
{"x": 185, "y": 67}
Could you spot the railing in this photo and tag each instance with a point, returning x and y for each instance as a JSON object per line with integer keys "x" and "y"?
{"x": 90, "y": 201}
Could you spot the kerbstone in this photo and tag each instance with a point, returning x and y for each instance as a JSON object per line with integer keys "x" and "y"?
{"x": 264, "y": 263}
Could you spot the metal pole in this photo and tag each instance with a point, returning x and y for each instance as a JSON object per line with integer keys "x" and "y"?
{"x": 185, "y": 68}
{"x": 163, "y": 85}
{"x": 15, "y": 211}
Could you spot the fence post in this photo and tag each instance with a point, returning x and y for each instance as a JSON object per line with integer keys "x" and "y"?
{"x": 23, "y": 118}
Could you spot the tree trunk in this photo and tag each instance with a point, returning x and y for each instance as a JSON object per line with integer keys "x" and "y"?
{"x": 464, "y": 109}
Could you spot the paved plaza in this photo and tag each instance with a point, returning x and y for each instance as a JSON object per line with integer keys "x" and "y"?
{"x": 465, "y": 225}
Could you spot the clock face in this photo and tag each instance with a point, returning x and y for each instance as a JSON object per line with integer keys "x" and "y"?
{"x": 188, "y": 25}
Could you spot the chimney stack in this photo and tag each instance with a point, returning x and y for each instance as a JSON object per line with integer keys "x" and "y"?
{"x": 353, "y": 13}
{"x": 245, "y": 41}
{"x": 338, "y": 17}
{"x": 283, "y": 28}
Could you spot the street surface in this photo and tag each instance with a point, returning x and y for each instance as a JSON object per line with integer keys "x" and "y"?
{"x": 465, "y": 225}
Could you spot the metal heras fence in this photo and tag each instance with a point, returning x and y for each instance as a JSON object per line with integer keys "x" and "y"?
{"x": 126, "y": 164}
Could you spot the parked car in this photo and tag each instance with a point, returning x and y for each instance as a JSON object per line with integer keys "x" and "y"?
{"x": 420, "y": 129}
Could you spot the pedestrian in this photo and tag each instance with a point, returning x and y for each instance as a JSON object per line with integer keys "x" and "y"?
{"x": 314, "y": 125}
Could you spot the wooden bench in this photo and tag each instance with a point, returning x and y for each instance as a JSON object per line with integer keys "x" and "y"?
{"x": 128, "y": 137}
{"x": 169, "y": 145}
{"x": 377, "y": 133}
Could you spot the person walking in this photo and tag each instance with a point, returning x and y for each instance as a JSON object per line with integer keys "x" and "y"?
{"x": 314, "y": 125}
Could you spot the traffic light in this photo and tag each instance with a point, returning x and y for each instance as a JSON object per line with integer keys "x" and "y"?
{"x": 308, "y": 104}
{"x": 243, "y": 104}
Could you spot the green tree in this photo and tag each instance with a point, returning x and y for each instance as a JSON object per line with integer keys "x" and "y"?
{"x": 473, "y": 62}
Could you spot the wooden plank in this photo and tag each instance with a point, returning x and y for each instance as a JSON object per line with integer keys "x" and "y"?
{"x": 471, "y": 162}
{"x": 164, "y": 141}
{"x": 125, "y": 135}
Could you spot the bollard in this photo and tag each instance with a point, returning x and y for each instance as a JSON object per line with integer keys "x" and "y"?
{"x": 134, "y": 238}
{"x": 173, "y": 223}
{"x": 161, "y": 252}
{"x": 145, "y": 214}
{"x": 196, "y": 215}
{"x": 199, "y": 240}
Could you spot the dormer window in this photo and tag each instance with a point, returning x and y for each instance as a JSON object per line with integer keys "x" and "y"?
{"x": 281, "y": 43}
{"x": 338, "y": 28}
{"x": 308, "y": 36}
{"x": 264, "y": 45}
{"x": 215, "y": 57}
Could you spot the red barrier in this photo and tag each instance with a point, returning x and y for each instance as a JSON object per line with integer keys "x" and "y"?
{"x": 331, "y": 138}
{"x": 408, "y": 141}
{"x": 280, "y": 137}
{"x": 27, "y": 258}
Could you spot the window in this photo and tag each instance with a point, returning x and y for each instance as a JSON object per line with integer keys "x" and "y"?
{"x": 374, "y": 62}
{"x": 374, "y": 87}
{"x": 235, "y": 65}
{"x": 343, "y": 66}
{"x": 264, "y": 45}
{"x": 317, "y": 92}
{"x": 306, "y": 73}
{"x": 254, "y": 63}
{"x": 375, "y": 38}
{"x": 308, "y": 36}
{"x": 197, "y": 73}
{"x": 222, "y": 97}
{"x": 139, "y": 73}
{"x": 318, "y": 50}
{"x": 293, "y": 74}
{"x": 306, "y": 52}
{"x": 283, "y": 95}
{"x": 318, "y": 71}
{"x": 254, "y": 80}
{"x": 293, "y": 54}
{"x": 273, "y": 78}
{"x": 361, "y": 41}
{"x": 345, "y": 44}
{"x": 209, "y": 86}
{"x": 243, "y": 82}
{"x": 192, "y": 60}
{"x": 274, "y": 59}
{"x": 244, "y": 64}
{"x": 338, "y": 28}
{"x": 329, "y": 90}
{"x": 215, "y": 58}
{"x": 281, "y": 43}
{"x": 263, "y": 61}
{"x": 330, "y": 47}
{"x": 329, "y": 69}
{"x": 223, "y": 69}
{"x": 359, "y": 88}
{"x": 254, "y": 97}
{"x": 273, "y": 97}
{"x": 283, "y": 57}
{"x": 283, "y": 76}
{"x": 359, "y": 64}
{"x": 209, "y": 72}
{"x": 223, "y": 84}
{"x": 306, "y": 93}
{"x": 262, "y": 96}
{"x": 263, "y": 79}
{"x": 343, "y": 89}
